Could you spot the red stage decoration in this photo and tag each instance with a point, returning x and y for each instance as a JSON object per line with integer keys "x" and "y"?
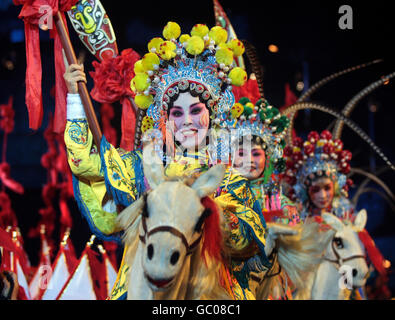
{"x": 250, "y": 90}
{"x": 92, "y": 278}
{"x": 289, "y": 99}
{"x": 112, "y": 78}
{"x": 7, "y": 215}
{"x": 15, "y": 260}
{"x": 7, "y": 116}
{"x": 39, "y": 14}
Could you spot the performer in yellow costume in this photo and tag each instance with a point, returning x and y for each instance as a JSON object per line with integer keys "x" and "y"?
{"x": 257, "y": 158}
{"x": 186, "y": 87}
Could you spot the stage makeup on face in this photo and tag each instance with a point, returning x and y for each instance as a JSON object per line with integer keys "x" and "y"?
{"x": 191, "y": 120}
{"x": 321, "y": 192}
{"x": 250, "y": 160}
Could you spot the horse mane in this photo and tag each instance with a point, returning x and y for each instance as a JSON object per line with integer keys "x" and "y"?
{"x": 205, "y": 282}
{"x": 300, "y": 254}
{"x": 270, "y": 284}
{"x": 205, "y": 269}
{"x": 129, "y": 220}
{"x": 212, "y": 235}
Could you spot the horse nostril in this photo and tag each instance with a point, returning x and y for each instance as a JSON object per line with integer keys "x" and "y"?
{"x": 174, "y": 257}
{"x": 150, "y": 251}
{"x": 354, "y": 272}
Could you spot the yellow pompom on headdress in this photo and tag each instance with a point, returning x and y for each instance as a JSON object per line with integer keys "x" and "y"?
{"x": 202, "y": 62}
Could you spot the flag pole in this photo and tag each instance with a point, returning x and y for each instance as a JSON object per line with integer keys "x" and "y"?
{"x": 82, "y": 89}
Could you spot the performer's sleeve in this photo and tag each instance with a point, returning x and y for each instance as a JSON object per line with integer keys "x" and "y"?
{"x": 82, "y": 154}
{"x": 244, "y": 227}
{"x": 235, "y": 231}
{"x": 243, "y": 223}
{"x": 88, "y": 180}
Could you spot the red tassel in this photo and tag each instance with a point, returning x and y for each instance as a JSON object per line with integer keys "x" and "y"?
{"x": 128, "y": 125}
{"x": 212, "y": 237}
{"x": 33, "y": 97}
{"x": 374, "y": 254}
{"x": 65, "y": 217}
{"x": 60, "y": 84}
{"x": 33, "y": 15}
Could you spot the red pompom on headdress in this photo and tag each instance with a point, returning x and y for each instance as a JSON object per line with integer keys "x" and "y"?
{"x": 319, "y": 146}
{"x": 250, "y": 90}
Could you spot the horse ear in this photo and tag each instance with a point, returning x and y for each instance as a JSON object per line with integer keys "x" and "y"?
{"x": 209, "y": 181}
{"x": 360, "y": 220}
{"x": 153, "y": 166}
{"x": 333, "y": 221}
{"x": 129, "y": 215}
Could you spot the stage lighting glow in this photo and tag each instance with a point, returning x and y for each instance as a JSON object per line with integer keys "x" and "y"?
{"x": 300, "y": 85}
{"x": 273, "y": 48}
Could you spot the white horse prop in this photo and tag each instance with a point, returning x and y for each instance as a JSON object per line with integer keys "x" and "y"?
{"x": 344, "y": 266}
{"x": 166, "y": 236}
{"x": 298, "y": 251}
{"x": 173, "y": 238}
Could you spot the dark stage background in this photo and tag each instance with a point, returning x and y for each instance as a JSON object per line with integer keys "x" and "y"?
{"x": 311, "y": 46}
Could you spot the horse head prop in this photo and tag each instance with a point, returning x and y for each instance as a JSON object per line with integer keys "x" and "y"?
{"x": 344, "y": 265}
{"x": 171, "y": 230}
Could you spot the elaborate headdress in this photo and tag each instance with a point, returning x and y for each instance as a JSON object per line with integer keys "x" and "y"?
{"x": 318, "y": 156}
{"x": 200, "y": 63}
{"x": 263, "y": 121}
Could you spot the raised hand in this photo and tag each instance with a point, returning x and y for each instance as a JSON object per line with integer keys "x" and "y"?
{"x": 73, "y": 74}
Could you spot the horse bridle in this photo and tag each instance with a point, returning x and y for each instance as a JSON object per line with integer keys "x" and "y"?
{"x": 339, "y": 260}
{"x": 270, "y": 273}
{"x": 174, "y": 231}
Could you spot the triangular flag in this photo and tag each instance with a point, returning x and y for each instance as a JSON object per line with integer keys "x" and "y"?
{"x": 111, "y": 275}
{"x": 110, "y": 272}
{"x": 58, "y": 278}
{"x": 36, "y": 283}
{"x": 80, "y": 285}
{"x": 61, "y": 269}
{"x": 22, "y": 280}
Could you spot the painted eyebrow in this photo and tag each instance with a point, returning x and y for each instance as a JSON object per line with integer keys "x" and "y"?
{"x": 192, "y": 105}
{"x": 195, "y": 104}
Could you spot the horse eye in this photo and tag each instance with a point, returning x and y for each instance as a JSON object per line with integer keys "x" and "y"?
{"x": 150, "y": 251}
{"x": 174, "y": 257}
{"x": 338, "y": 242}
{"x": 145, "y": 207}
